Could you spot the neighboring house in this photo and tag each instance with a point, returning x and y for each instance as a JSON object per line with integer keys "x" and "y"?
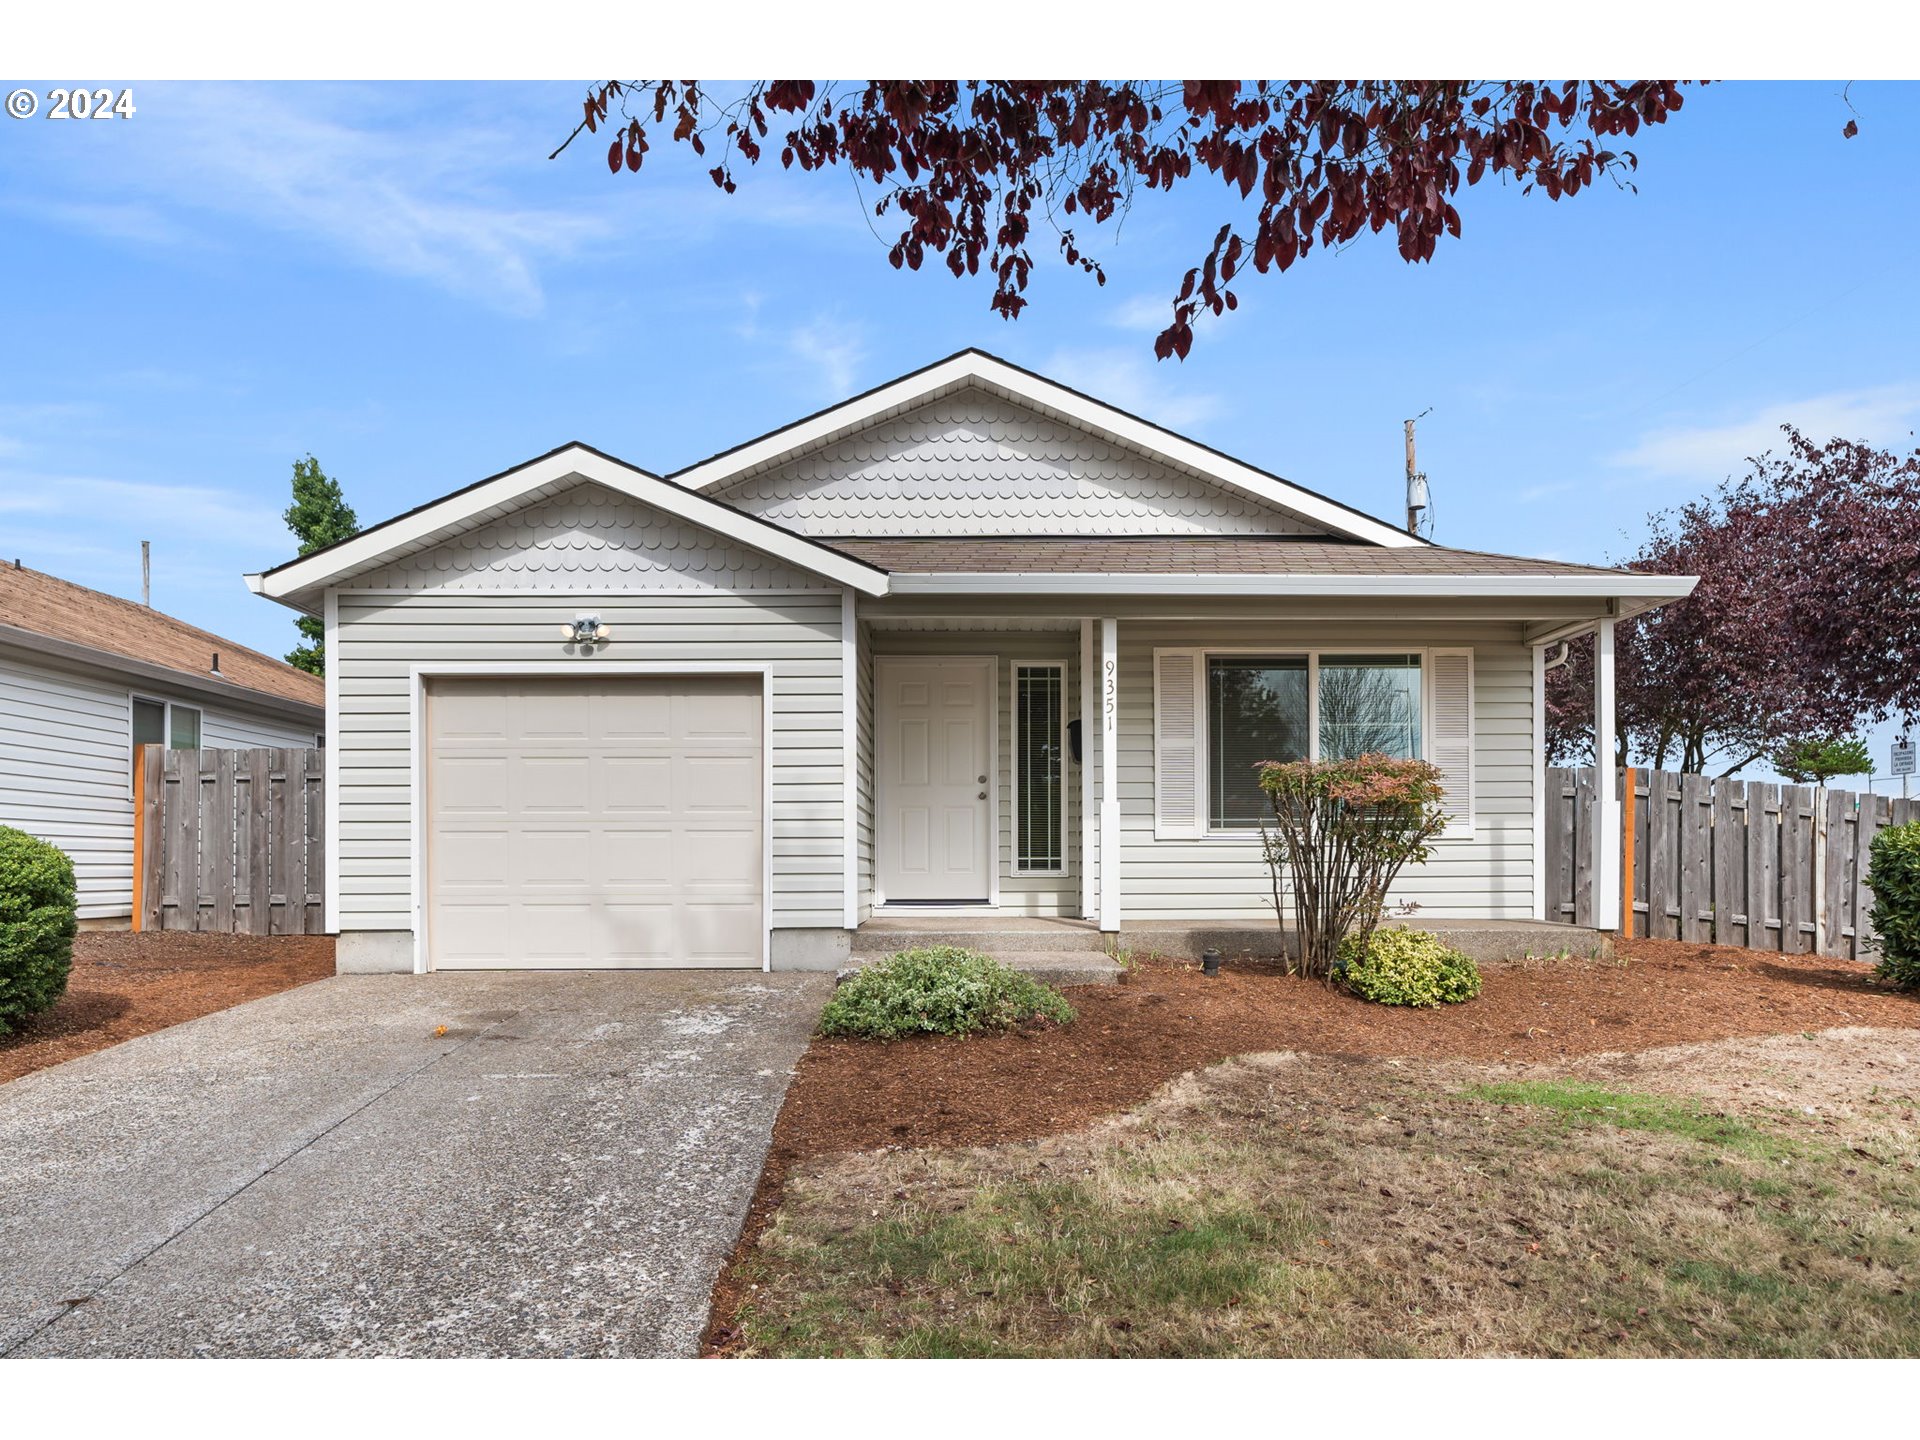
{"x": 969, "y": 643}
{"x": 84, "y": 678}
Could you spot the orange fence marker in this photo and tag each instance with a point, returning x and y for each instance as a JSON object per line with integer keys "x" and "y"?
{"x": 139, "y": 831}
{"x": 1626, "y": 857}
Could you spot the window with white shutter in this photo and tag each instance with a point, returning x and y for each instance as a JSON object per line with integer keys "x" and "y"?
{"x": 1177, "y": 710}
{"x": 1450, "y": 732}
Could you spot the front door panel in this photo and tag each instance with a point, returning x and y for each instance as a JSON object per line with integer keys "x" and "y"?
{"x": 934, "y": 820}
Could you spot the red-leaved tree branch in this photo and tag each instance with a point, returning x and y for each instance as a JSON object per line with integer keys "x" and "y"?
{"x": 969, "y": 168}
{"x": 1805, "y": 624}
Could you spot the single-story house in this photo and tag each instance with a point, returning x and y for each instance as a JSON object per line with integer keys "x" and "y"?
{"x": 87, "y": 677}
{"x": 971, "y": 643}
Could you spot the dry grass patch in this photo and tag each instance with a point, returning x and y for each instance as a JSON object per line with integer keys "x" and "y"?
{"x": 1738, "y": 1198}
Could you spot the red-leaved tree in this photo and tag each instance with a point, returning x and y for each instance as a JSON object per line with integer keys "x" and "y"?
{"x": 971, "y": 166}
{"x": 1806, "y": 621}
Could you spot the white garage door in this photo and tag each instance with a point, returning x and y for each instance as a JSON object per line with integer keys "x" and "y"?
{"x": 606, "y": 823}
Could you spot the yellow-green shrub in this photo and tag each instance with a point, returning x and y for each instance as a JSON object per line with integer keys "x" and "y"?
{"x": 1406, "y": 967}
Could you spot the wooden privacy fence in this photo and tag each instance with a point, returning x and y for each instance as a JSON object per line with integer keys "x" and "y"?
{"x": 1727, "y": 862}
{"x": 230, "y": 841}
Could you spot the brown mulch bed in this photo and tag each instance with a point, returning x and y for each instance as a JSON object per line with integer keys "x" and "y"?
{"x": 125, "y": 985}
{"x": 1168, "y": 1019}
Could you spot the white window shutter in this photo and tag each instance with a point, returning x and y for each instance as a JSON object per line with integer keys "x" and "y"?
{"x": 1179, "y": 709}
{"x": 1450, "y": 733}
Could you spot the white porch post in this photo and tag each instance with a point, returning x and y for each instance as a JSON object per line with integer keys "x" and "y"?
{"x": 1606, "y": 805}
{"x": 1089, "y": 805}
{"x": 1109, "y": 775}
{"x": 1540, "y": 783}
{"x": 850, "y": 759}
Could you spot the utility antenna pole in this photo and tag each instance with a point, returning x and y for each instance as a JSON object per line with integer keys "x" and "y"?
{"x": 1416, "y": 482}
{"x": 146, "y": 573}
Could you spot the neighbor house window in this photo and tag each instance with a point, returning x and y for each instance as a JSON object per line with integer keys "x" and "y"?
{"x": 1294, "y": 707}
{"x": 183, "y": 728}
{"x": 1039, "y": 759}
{"x": 1369, "y": 704}
{"x": 1256, "y": 710}
{"x": 149, "y": 724}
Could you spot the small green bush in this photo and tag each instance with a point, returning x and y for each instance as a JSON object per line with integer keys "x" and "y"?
{"x": 1893, "y": 873}
{"x": 1406, "y": 967}
{"x": 37, "y": 922}
{"x": 943, "y": 990}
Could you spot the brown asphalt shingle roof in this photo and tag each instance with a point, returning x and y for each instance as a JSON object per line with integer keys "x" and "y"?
{"x": 1183, "y": 555}
{"x": 61, "y": 610}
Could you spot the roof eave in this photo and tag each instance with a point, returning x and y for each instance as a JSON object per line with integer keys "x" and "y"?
{"x": 1656, "y": 589}
{"x": 94, "y": 658}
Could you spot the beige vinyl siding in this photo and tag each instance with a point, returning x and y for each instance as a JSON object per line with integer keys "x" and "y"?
{"x": 1019, "y": 894}
{"x": 1486, "y": 875}
{"x": 229, "y": 730}
{"x": 380, "y": 637}
{"x": 66, "y": 775}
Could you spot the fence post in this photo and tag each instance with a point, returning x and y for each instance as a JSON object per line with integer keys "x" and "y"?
{"x": 1626, "y": 852}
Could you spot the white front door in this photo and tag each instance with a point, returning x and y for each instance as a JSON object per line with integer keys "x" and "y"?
{"x": 934, "y": 821}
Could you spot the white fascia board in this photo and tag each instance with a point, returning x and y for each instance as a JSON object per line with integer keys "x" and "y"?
{"x": 1033, "y": 389}
{"x": 342, "y": 561}
{"x": 1647, "y": 587}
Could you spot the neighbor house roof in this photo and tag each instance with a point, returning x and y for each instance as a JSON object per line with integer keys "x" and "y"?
{"x": 1050, "y": 397}
{"x": 55, "y": 616}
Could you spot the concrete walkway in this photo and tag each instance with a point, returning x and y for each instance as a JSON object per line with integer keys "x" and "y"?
{"x": 323, "y": 1172}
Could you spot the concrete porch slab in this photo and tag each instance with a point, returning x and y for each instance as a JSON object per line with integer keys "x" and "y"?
{"x": 1486, "y": 941}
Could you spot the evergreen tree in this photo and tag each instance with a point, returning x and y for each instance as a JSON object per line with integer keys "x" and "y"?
{"x": 318, "y": 517}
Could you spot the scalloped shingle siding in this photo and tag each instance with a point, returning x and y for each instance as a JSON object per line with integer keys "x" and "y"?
{"x": 974, "y": 463}
{"x": 586, "y": 538}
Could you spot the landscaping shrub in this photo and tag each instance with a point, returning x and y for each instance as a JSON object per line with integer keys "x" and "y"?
{"x": 1342, "y": 830}
{"x": 1893, "y": 873}
{"x": 1406, "y": 967}
{"x": 37, "y": 923}
{"x": 942, "y": 990}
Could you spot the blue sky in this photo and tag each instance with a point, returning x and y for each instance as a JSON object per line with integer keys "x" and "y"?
{"x": 396, "y": 278}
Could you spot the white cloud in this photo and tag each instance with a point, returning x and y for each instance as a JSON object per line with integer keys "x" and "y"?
{"x": 423, "y": 200}
{"x": 1150, "y": 314}
{"x": 1884, "y": 415}
{"x": 1133, "y": 380}
{"x": 831, "y": 349}
{"x": 64, "y": 502}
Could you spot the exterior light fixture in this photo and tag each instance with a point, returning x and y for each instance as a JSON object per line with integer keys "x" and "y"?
{"x": 586, "y": 631}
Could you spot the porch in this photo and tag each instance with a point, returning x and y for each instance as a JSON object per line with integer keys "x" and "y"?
{"x": 1068, "y": 951}
{"x": 1079, "y": 771}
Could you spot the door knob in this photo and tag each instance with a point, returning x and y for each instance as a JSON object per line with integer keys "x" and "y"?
{"x": 983, "y": 794}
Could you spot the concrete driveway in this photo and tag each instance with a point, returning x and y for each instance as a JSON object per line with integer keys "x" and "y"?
{"x": 324, "y": 1172}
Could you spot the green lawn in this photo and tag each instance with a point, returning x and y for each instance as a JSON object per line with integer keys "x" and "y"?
{"x": 1753, "y": 1198}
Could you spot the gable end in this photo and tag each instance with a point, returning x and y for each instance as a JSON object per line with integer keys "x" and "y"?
{"x": 974, "y": 462}
{"x": 588, "y": 538}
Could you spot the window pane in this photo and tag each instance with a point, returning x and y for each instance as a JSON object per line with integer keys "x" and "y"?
{"x": 1256, "y": 710}
{"x": 1038, "y": 824}
{"x": 1369, "y": 704}
{"x": 186, "y": 728}
{"x": 149, "y": 722}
